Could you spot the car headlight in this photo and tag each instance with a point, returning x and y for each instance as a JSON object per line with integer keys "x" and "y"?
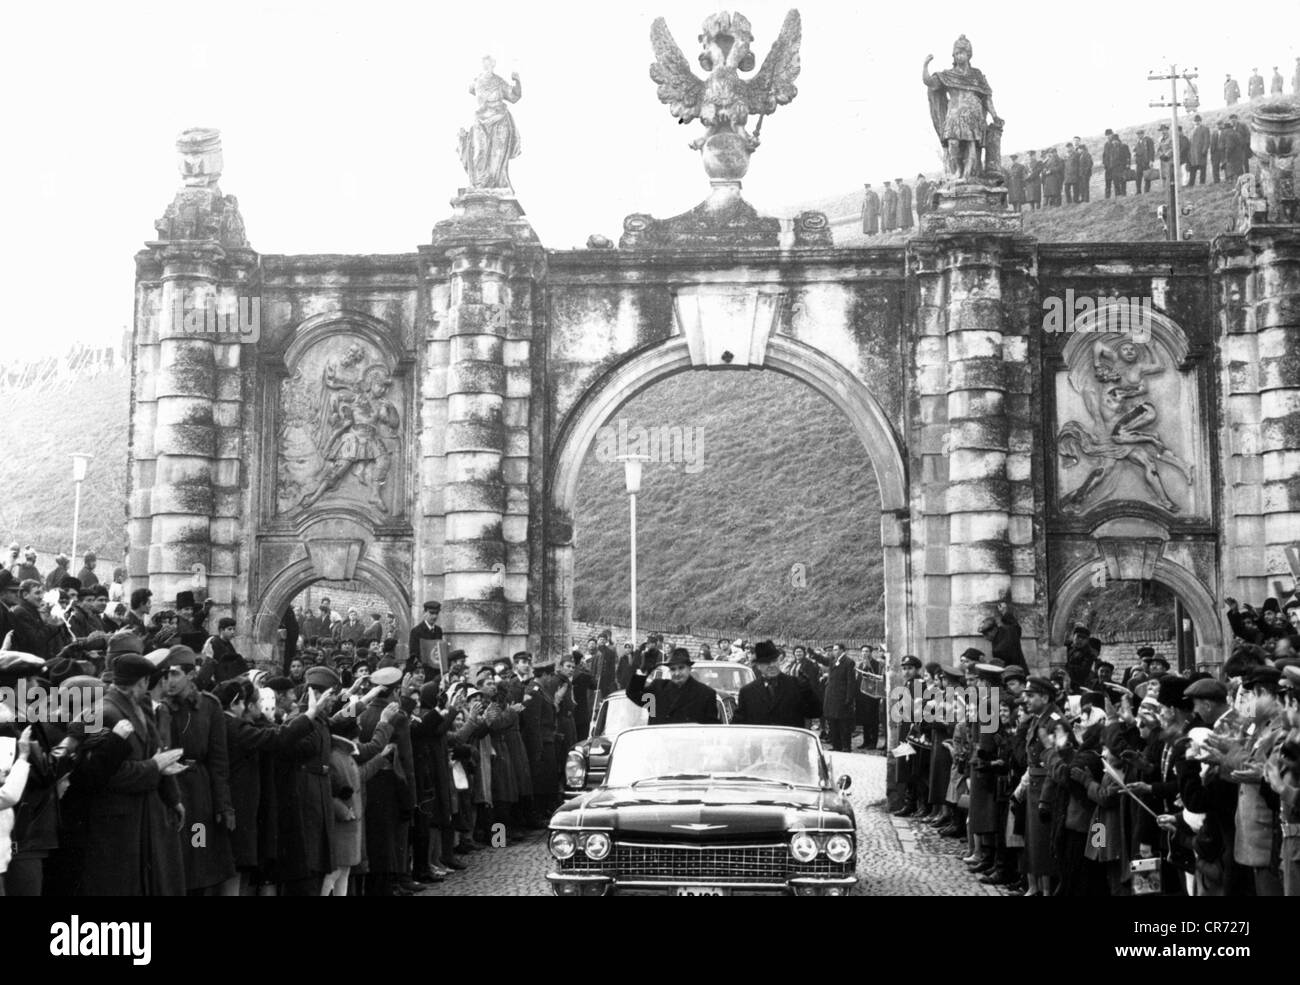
{"x": 803, "y": 847}
{"x": 839, "y": 848}
{"x": 596, "y": 846}
{"x": 575, "y": 771}
{"x": 563, "y": 844}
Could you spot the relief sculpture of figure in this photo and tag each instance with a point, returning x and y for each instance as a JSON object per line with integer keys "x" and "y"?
{"x": 492, "y": 141}
{"x": 356, "y": 431}
{"x": 960, "y": 98}
{"x": 1112, "y": 384}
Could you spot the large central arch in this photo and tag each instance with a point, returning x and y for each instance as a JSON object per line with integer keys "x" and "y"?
{"x": 642, "y": 369}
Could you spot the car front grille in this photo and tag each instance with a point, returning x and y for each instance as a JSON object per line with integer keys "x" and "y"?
{"x": 690, "y": 863}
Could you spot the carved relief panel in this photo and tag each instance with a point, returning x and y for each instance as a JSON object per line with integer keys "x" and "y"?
{"x": 341, "y": 430}
{"x": 1128, "y": 423}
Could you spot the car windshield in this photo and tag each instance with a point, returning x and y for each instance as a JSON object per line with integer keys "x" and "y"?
{"x": 720, "y": 677}
{"x": 665, "y": 752}
{"x": 619, "y": 714}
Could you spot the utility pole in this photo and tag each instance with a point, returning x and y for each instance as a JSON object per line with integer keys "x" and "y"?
{"x": 1175, "y": 203}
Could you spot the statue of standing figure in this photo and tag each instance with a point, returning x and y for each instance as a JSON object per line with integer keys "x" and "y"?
{"x": 960, "y": 98}
{"x": 490, "y": 143}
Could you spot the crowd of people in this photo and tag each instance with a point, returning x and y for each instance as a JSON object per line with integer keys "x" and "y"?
{"x": 1078, "y": 784}
{"x": 1255, "y": 85}
{"x": 892, "y": 207}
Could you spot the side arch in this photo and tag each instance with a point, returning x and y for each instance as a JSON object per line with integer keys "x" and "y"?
{"x": 1193, "y": 593}
{"x": 290, "y": 581}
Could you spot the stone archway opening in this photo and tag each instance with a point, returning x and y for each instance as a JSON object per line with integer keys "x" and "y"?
{"x": 845, "y": 393}
{"x": 780, "y": 499}
{"x": 1180, "y": 621}
{"x": 371, "y": 590}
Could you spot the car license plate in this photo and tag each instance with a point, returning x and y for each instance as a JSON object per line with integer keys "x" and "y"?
{"x": 702, "y": 891}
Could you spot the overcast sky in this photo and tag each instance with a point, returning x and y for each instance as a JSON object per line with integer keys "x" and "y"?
{"x": 339, "y": 120}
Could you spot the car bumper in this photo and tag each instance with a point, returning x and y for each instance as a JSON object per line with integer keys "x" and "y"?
{"x": 595, "y": 884}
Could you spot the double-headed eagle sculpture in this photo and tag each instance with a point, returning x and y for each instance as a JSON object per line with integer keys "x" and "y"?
{"x": 724, "y": 101}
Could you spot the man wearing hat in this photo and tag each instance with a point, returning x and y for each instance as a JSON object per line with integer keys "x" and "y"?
{"x": 1244, "y": 764}
{"x": 193, "y": 720}
{"x": 904, "y": 205}
{"x": 679, "y": 700}
{"x": 58, "y": 572}
{"x": 870, "y": 212}
{"x": 1282, "y": 773}
{"x": 87, "y": 575}
{"x": 774, "y": 698}
{"x": 84, "y": 622}
{"x": 987, "y": 765}
{"x": 1038, "y": 796}
{"x": 305, "y": 809}
{"x": 421, "y": 642}
{"x": 1016, "y": 183}
{"x": 537, "y": 727}
{"x": 888, "y": 208}
{"x": 135, "y": 821}
{"x": 1144, "y": 655}
{"x": 913, "y": 772}
{"x": 28, "y": 568}
{"x": 8, "y": 599}
{"x": 1213, "y": 795}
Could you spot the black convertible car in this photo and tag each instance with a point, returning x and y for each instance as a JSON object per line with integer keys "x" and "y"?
{"x": 708, "y": 810}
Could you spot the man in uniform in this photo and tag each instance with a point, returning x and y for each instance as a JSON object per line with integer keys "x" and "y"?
{"x": 426, "y": 629}
{"x": 679, "y": 700}
{"x": 1053, "y": 178}
{"x": 1231, "y": 91}
{"x": 1083, "y": 190}
{"x": 537, "y": 727}
{"x": 870, "y": 212}
{"x": 1071, "y": 176}
{"x": 1043, "y": 712}
{"x": 1016, "y": 183}
{"x": 774, "y": 698}
{"x": 1277, "y": 83}
{"x": 1034, "y": 181}
{"x": 1200, "y": 144}
{"x": 1144, "y": 158}
{"x": 913, "y": 771}
{"x": 888, "y": 209}
{"x": 923, "y": 192}
{"x": 1255, "y": 86}
{"x": 306, "y": 808}
{"x": 904, "y": 205}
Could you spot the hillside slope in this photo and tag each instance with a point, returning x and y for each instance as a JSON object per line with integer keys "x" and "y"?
{"x": 43, "y": 427}
{"x": 784, "y": 482}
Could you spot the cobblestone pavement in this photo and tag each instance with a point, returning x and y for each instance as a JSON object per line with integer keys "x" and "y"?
{"x": 895, "y": 857}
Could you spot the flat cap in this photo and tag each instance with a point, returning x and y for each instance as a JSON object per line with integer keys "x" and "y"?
{"x": 323, "y": 677}
{"x": 1207, "y": 689}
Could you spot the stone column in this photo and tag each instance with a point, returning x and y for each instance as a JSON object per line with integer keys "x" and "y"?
{"x": 976, "y": 423}
{"x": 197, "y": 303}
{"x": 1259, "y": 286}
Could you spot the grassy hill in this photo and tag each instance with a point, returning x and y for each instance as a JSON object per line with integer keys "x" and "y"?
{"x": 43, "y": 427}
{"x": 784, "y": 482}
{"x": 1129, "y": 219}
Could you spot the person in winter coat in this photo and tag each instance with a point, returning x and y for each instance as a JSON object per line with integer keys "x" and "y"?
{"x": 435, "y": 803}
{"x": 305, "y": 812}
{"x": 133, "y": 845}
{"x": 870, "y": 212}
{"x": 249, "y": 739}
{"x": 193, "y": 720}
{"x": 351, "y": 765}
{"x": 12, "y": 784}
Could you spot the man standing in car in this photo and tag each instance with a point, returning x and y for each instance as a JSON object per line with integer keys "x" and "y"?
{"x": 681, "y": 700}
{"x": 774, "y": 698}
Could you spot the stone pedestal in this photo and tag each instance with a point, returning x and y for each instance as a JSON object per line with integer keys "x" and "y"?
{"x": 970, "y": 207}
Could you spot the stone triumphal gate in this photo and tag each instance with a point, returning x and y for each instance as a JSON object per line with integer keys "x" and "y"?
{"x": 419, "y": 421}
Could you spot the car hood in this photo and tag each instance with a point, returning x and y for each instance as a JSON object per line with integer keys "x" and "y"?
{"x": 706, "y": 810}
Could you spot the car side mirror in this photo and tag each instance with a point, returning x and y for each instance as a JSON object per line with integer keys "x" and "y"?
{"x": 844, "y": 782}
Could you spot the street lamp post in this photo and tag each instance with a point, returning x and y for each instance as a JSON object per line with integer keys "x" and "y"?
{"x": 80, "y": 462}
{"x": 632, "y": 478}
